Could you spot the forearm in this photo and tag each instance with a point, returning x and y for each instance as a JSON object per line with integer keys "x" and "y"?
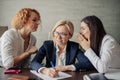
{"x": 19, "y": 58}
{"x": 35, "y": 65}
{"x": 70, "y": 67}
{"x": 66, "y": 68}
{"x": 98, "y": 62}
{"x": 83, "y": 62}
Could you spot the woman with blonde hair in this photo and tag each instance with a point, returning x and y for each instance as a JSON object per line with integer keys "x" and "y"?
{"x": 17, "y": 43}
{"x": 60, "y": 52}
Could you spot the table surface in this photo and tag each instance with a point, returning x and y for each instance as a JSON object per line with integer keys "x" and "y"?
{"x": 26, "y": 72}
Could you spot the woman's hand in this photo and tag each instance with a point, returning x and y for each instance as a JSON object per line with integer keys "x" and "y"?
{"x": 85, "y": 44}
{"x": 64, "y": 68}
{"x": 60, "y": 68}
{"x": 32, "y": 50}
{"x": 50, "y": 72}
{"x": 22, "y": 56}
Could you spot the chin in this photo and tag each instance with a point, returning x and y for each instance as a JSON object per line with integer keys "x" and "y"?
{"x": 58, "y": 43}
{"x": 34, "y": 30}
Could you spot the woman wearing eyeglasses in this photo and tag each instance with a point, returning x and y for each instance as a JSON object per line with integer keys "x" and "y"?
{"x": 17, "y": 44}
{"x": 61, "y": 52}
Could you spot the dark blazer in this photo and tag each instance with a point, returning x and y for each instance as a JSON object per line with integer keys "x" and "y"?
{"x": 73, "y": 52}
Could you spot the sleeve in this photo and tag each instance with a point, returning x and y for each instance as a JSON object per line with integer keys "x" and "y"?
{"x": 107, "y": 53}
{"x": 83, "y": 62}
{"x": 98, "y": 63}
{"x": 7, "y": 50}
{"x": 37, "y": 60}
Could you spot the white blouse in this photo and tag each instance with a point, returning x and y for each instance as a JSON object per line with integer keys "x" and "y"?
{"x": 12, "y": 44}
{"x": 109, "y": 55}
{"x": 60, "y": 60}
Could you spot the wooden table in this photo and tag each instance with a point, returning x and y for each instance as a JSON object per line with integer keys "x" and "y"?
{"x": 26, "y": 72}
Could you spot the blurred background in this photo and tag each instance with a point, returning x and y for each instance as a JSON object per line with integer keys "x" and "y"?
{"x": 52, "y": 11}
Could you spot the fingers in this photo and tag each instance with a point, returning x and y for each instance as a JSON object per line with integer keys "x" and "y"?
{"x": 85, "y": 43}
{"x": 88, "y": 40}
{"x": 33, "y": 50}
{"x": 80, "y": 38}
{"x": 51, "y": 72}
{"x": 60, "y": 68}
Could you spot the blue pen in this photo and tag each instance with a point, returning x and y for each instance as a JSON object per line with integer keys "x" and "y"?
{"x": 52, "y": 65}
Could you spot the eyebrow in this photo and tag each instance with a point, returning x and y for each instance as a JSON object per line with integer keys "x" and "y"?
{"x": 62, "y": 32}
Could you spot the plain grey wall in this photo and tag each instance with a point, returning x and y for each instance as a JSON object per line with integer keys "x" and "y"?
{"x": 53, "y": 10}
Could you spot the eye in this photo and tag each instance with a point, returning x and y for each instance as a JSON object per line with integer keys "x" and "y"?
{"x": 82, "y": 28}
{"x": 34, "y": 20}
{"x": 64, "y": 34}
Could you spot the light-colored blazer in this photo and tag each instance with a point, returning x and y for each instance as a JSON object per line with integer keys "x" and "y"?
{"x": 109, "y": 55}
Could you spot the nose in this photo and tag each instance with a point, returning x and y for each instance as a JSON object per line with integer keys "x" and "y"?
{"x": 81, "y": 32}
{"x": 59, "y": 36}
{"x": 37, "y": 22}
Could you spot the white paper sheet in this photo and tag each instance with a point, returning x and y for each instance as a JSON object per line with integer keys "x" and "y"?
{"x": 113, "y": 74}
{"x": 45, "y": 77}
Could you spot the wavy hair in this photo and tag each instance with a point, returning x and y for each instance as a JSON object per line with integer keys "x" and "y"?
{"x": 22, "y": 17}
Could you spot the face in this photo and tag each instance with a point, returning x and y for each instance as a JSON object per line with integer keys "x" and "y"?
{"x": 84, "y": 30}
{"x": 61, "y": 35}
{"x": 33, "y": 22}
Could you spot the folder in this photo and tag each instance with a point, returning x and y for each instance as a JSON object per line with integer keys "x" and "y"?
{"x": 94, "y": 76}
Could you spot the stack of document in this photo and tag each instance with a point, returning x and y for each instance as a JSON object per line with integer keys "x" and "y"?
{"x": 113, "y": 74}
{"x": 62, "y": 75}
{"x": 94, "y": 76}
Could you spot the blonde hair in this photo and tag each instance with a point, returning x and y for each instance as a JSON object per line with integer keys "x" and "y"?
{"x": 22, "y": 16}
{"x": 68, "y": 24}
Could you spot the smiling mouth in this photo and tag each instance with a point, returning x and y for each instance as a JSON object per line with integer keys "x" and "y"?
{"x": 59, "y": 41}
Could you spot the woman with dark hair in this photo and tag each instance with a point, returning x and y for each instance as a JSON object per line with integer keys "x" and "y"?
{"x": 100, "y": 48}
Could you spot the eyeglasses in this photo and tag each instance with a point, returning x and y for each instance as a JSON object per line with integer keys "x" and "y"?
{"x": 62, "y": 35}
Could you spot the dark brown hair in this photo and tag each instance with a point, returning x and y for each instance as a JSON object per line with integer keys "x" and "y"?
{"x": 97, "y": 32}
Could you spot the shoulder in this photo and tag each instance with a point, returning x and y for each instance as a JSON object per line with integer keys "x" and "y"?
{"x": 48, "y": 42}
{"x": 72, "y": 44}
{"x": 10, "y": 33}
{"x": 108, "y": 40}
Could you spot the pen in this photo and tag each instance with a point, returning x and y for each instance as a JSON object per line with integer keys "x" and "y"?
{"x": 52, "y": 65}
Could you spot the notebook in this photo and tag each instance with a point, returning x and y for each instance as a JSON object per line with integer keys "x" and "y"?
{"x": 62, "y": 75}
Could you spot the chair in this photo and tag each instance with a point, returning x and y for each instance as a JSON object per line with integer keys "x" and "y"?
{"x": 3, "y": 29}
